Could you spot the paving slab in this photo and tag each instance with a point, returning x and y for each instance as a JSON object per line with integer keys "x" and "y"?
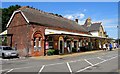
{"x": 27, "y": 69}
{"x": 56, "y": 68}
{"x": 75, "y": 66}
{"x": 108, "y": 66}
{"x": 94, "y": 61}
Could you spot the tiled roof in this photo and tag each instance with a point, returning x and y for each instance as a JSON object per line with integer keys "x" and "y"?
{"x": 47, "y": 19}
{"x": 93, "y": 27}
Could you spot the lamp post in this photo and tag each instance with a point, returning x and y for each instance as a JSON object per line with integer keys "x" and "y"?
{"x": 118, "y": 35}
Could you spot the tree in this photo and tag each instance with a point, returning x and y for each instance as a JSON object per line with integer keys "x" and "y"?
{"x": 6, "y": 14}
{"x": 0, "y": 20}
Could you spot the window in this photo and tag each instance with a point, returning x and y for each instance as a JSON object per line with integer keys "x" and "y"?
{"x": 37, "y": 43}
{"x": 34, "y": 42}
{"x": 7, "y": 48}
{"x": 50, "y": 42}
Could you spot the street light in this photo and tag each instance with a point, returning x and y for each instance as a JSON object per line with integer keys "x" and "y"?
{"x": 118, "y": 35}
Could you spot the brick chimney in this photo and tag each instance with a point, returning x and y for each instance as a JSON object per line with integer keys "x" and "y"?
{"x": 88, "y": 22}
{"x": 76, "y": 20}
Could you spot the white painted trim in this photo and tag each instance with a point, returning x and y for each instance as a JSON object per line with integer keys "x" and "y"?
{"x": 24, "y": 17}
{"x": 13, "y": 16}
{"x": 52, "y": 31}
{"x": 4, "y": 32}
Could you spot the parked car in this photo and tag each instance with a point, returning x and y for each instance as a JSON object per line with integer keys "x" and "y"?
{"x": 6, "y": 51}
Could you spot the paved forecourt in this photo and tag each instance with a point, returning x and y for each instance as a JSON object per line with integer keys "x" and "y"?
{"x": 96, "y": 64}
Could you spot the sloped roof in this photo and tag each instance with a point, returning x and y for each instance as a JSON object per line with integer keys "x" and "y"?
{"x": 93, "y": 27}
{"x": 47, "y": 19}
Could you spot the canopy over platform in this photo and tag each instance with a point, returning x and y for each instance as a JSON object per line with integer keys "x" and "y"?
{"x": 56, "y": 32}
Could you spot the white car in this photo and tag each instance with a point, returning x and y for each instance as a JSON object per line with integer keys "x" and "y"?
{"x": 6, "y": 51}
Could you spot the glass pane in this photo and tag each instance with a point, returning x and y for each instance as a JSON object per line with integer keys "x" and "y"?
{"x": 7, "y": 48}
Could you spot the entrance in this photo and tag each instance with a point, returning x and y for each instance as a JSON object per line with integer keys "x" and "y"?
{"x": 69, "y": 46}
{"x": 61, "y": 46}
{"x": 37, "y": 43}
{"x": 75, "y": 44}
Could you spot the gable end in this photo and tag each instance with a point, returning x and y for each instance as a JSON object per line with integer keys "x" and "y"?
{"x": 14, "y": 15}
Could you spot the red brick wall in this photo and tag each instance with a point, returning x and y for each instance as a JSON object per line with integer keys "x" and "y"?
{"x": 18, "y": 28}
{"x": 33, "y": 29}
{"x": 23, "y": 35}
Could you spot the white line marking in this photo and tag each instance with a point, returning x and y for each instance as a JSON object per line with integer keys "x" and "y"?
{"x": 88, "y": 62}
{"x": 69, "y": 67}
{"x": 41, "y": 69}
{"x": 24, "y": 67}
{"x": 55, "y": 64}
{"x": 58, "y": 63}
{"x": 8, "y": 71}
{"x": 100, "y": 58}
{"x": 96, "y": 64}
{"x": 17, "y": 68}
{"x": 3, "y": 70}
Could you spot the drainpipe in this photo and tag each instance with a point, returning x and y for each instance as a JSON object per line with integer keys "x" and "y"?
{"x": 44, "y": 45}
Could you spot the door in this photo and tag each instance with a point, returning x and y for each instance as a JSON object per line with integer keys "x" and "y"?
{"x": 61, "y": 47}
{"x": 75, "y": 44}
{"x": 69, "y": 46}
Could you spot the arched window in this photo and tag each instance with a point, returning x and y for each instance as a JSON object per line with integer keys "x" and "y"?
{"x": 39, "y": 44}
{"x": 34, "y": 42}
{"x": 37, "y": 40}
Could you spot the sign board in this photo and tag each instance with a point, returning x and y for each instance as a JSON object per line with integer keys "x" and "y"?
{"x": 47, "y": 45}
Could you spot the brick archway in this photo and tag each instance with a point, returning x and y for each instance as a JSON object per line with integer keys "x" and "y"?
{"x": 38, "y": 45}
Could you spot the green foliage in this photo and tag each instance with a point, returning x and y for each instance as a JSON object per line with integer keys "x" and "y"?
{"x": 50, "y": 52}
{"x": 6, "y": 14}
{"x": 74, "y": 49}
{"x": 4, "y": 42}
{"x": 56, "y": 52}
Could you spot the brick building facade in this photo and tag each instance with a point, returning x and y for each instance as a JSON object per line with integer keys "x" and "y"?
{"x": 32, "y": 29}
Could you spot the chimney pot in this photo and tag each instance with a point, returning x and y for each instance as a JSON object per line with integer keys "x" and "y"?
{"x": 76, "y": 20}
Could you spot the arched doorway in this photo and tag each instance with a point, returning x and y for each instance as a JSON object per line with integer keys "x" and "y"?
{"x": 61, "y": 45}
{"x": 37, "y": 43}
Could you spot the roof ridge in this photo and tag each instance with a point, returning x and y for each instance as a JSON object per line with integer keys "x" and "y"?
{"x": 43, "y": 12}
{"x": 97, "y": 23}
{"x": 23, "y": 7}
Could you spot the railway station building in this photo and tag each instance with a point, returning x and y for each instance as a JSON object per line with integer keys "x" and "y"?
{"x": 34, "y": 32}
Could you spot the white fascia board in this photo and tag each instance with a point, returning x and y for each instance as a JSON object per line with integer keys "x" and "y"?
{"x": 13, "y": 16}
{"x": 4, "y": 32}
{"x": 51, "y": 31}
{"x": 24, "y": 16}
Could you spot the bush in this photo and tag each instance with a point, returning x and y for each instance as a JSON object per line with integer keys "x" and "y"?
{"x": 74, "y": 50}
{"x": 56, "y": 52}
{"x": 50, "y": 52}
